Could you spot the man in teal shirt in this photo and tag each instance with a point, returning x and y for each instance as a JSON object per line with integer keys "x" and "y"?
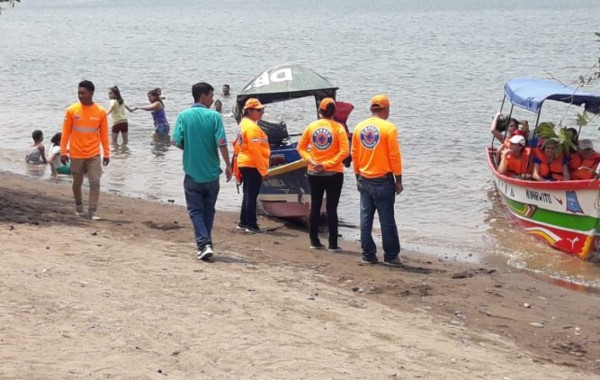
{"x": 200, "y": 133}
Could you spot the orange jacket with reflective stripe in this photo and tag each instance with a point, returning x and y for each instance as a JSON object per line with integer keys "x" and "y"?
{"x": 254, "y": 150}
{"x": 84, "y": 129}
{"x": 375, "y": 148}
{"x": 326, "y": 142}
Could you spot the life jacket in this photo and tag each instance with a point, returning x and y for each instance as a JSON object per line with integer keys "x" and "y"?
{"x": 519, "y": 166}
{"x": 553, "y": 170}
{"x": 577, "y": 161}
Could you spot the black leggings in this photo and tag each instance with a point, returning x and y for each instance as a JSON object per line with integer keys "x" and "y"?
{"x": 251, "y": 187}
{"x": 319, "y": 184}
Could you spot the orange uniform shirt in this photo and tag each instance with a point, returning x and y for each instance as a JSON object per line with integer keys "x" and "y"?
{"x": 84, "y": 129}
{"x": 375, "y": 149}
{"x": 326, "y": 142}
{"x": 254, "y": 150}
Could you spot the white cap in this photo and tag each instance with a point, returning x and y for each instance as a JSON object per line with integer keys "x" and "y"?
{"x": 586, "y": 144}
{"x": 517, "y": 139}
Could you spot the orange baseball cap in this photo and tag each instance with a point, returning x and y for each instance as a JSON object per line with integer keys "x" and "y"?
{"x": 380, "y": 101}
{"x": 253, "y": 104}
{"x": 325, "y": 102}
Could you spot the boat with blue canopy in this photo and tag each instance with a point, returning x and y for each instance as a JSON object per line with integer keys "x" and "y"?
{"x": 563, "y": 214}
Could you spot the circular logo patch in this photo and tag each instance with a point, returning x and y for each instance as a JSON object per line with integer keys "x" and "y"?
{"x": 322, "y": 138}
{"x": 369, "y": 136}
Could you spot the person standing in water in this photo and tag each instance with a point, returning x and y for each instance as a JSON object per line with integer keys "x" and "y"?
{"x": 84, "y": 129}
{"x": 117, "y": 110}
{"x": 157, "y": 109}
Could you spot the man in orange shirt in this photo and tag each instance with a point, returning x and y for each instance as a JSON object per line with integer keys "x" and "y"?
{"x": 377, "y": 163}
{"x": 85, "y": 127}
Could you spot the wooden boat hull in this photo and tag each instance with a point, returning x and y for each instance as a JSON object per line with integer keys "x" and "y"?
{"x": 286, "y": 192}
{"x": 564, "y": 214}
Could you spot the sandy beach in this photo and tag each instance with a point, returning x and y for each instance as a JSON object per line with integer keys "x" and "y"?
{"x": 125, "y": 297}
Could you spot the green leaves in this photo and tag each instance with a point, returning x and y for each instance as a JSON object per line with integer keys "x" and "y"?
{"x": 582, "y": 119}
{"x": 546, "y": 131}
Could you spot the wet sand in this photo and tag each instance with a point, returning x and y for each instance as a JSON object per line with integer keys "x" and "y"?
{"x": 126, "y": 298}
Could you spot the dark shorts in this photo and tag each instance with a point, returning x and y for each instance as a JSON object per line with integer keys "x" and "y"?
{"x": 121, "y": 127}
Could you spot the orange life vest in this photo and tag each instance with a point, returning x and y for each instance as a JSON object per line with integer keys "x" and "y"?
{"x": 577, "y": 161}
{"x": 550, "y": 170}
{"x": 518, "y": 166}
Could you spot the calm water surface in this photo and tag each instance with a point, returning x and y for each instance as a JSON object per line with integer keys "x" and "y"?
{"x": 442, "y": 63}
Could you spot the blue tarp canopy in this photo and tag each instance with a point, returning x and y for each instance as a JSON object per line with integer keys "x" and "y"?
{"x": 530, "y": 93}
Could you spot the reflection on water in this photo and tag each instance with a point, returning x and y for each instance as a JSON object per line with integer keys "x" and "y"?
{"x": 160, "y": 147}
{"x": 523, "y": 251}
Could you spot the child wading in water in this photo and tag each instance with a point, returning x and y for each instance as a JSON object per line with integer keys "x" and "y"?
{"x": 56, "y": 166}
{"x": 117, "y": 109}
{"x": 157, "y": 109}
{"x": 37, "y": 152}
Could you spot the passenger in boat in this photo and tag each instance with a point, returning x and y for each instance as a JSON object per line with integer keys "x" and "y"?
{"x": 574, "y": 137}
{"x": 324, "y": 145}
{"x": 584, "y": 163}
{"x": 515, "y": 160}
{"x": 377, "y": 163}
{"x": 157, "y": 109}
{"x": 253, "y": 163}
{"x": 37, "y": 151}
{"x": 547, "y": 166}
{"x": 511, "y": 129}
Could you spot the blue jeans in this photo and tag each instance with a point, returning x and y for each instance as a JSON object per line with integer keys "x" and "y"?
{"x": 378, "y": 194}
{"x": 201, "y": 199}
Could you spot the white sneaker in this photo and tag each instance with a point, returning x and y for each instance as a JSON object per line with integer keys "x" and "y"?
{"x": 92, "y": 215}
{"x": 206, "y": 253}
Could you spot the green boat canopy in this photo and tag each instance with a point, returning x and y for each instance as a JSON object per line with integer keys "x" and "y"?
{"x": 285, "y": 82}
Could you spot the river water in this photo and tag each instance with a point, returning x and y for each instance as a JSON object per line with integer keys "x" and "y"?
{"x": 442, "y": 63}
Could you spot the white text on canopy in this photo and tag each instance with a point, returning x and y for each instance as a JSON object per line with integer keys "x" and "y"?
{"x": 276, "y": 76}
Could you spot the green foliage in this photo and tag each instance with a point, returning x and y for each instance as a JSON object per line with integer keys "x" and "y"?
{"x": 547, "y": 131}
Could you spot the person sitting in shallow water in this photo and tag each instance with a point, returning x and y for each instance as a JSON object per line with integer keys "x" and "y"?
{"x": 37, "y": 152}
{"x": 56, "y": 165}
{"x": 515, "y": 159}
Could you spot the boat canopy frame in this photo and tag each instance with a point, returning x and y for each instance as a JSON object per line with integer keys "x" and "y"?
{"x": 531, "y": 93}
{"x": 285, "y": 82}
